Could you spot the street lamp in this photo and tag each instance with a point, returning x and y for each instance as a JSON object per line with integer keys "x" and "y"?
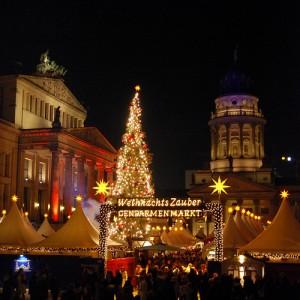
{"x": 292, "y": 160}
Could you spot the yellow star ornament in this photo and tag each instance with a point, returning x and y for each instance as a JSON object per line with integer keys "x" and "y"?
{"x": 284, "y": 194}
{"x": 219, "y": 186}
{"x": 102, "y": 188}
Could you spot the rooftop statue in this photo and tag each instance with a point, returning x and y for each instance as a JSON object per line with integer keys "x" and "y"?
{"x": 49, "y": 67}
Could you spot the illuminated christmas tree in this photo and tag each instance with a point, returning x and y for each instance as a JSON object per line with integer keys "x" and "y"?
{"x": 133, "y": 173}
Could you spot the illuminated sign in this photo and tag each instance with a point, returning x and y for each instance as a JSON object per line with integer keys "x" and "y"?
{"x": 158, "y": 208}
{"x": 22, "y": 263}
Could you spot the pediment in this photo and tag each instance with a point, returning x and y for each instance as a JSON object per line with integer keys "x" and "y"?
{"x": 93, "y": 136}
{"x": 57, "y": 88}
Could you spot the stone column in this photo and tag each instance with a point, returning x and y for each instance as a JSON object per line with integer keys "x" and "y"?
{"x": 212, "y": 139}
{"x": 100, "y": 171}
{"x": 68, "y": 188}
{"x": 262, "y": 142}
{"x": 110, "y": 177}
{"x": 80, "y": 176}
{"x": 91, "y": 181}
{"x": 241, "y": 140}
{"x": 20, "y": 185}
{"x": 254, "y": 154}
{"x": 228, "y": 142}
{"x": 54, "y": 197}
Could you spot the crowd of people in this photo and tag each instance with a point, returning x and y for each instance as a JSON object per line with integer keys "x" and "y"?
{"x": 169, "y": 277}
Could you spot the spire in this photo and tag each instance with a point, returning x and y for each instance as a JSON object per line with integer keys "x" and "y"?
{"x": 236, "y": 54}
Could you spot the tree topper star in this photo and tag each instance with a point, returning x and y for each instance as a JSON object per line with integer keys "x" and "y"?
{"x": 284, "y": 194}
{"x": 102, "y": 188}
{"x": 219, "y": 186}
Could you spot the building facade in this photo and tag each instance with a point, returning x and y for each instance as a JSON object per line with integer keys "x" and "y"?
{"x": 47, "y": 155}
{"x": 237, "y": 151}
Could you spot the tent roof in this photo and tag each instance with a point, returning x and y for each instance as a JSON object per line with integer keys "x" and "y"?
{"x": 159, "y": 247}
{"x": 282, "y": 235}
{"x": 15, "y": 231}
{"x": 178, "y": 238}
{"x": 243, "y": 228}
{"x": 76, "y": 233}
{"x": 232, "y": 237}
{"x": 45, "y": 228}
{"x": 246, "y": 220}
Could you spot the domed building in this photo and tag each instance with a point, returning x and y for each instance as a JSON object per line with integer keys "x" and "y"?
{"x": 237, "y": 150}
{"x": 236, "y": 127}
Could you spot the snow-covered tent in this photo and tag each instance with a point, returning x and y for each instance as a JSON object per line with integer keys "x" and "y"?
{"x": 46, "y": 229}
{"x": 281, "y": 237}
{"x": 15, "y": 231}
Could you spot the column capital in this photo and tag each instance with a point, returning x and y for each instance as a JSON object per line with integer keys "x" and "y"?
{"x": 90, "y": 162}
{"x": 69, "y": 154}
{"x": 79, "y": 158}
{"x": 53, "y": 147}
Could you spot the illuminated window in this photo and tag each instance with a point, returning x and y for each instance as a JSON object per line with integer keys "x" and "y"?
{"x": 27, "y": 169}
{"x": 1, "y": 102}
{"x": 51, "y": 113}
{"x": 31, "y": 108}
{"x": 42, "y": 108}
{"x": 36, "y": 106}
{"x": 42, "y": 172}
{"x": 47, "y": 111}
{"x": 2, "y": 164}
{"x": 27, "y": 102}
{"x": 264, "y": 211}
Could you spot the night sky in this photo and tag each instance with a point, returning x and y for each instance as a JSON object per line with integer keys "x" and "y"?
{"x": 178, "y": 54}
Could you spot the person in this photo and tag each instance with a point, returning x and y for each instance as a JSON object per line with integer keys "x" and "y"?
{"x": 8, "y": 287}
{"x": 20, "y": 285}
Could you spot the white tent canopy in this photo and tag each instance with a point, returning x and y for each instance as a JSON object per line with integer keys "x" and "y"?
{"x": 46, "y": 229}
{"x": 76, "y": 233}
{"x": 243, "y": 228}
{"x": 76, "y": 237}
{"x": 281, "y": 236}
{"x": 15, "y": 231}
{"x": 232, "y": 236}
{"x": 178, "y": 237}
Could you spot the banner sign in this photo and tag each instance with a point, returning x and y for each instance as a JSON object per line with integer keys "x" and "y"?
{"x": 158, "y": 208}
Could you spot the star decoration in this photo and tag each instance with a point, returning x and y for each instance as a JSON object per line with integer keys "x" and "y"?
{"x": 14, "y": 198}
{"x": 284, "y": 194}
{"x": 219, "y": 186}
{"x": 102, "y": 188}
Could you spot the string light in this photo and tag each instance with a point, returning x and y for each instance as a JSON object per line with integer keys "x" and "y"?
{"x": 133, "y": 173}
{"x": 217, "y": 213}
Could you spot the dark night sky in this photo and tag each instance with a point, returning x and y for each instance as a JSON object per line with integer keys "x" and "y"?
{"x": 178, "y": 54}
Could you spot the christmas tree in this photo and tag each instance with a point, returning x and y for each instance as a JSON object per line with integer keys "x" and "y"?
{"x": 133, "y": 173}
